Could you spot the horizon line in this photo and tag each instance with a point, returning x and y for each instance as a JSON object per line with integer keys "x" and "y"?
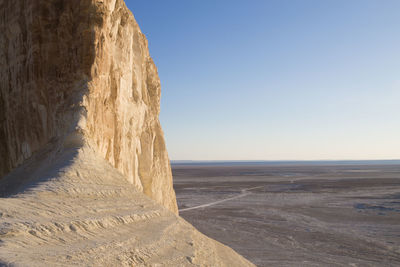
{"x": 278, "y": 160}
{"x": 286, "y": 162}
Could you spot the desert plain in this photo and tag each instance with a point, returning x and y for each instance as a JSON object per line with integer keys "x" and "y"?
{"x": 331, "y": 214}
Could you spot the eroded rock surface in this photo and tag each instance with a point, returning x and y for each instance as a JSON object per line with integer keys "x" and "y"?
{"x": 78, "y": 210}
{"x": 82, "y": 66}
{"x": 80, "y": 142}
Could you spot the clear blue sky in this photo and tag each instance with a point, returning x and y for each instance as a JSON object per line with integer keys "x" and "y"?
{"x": 276, "y": 79}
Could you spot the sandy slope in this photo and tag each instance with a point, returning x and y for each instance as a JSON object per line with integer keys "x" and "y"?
{"x": 77, "y": 210}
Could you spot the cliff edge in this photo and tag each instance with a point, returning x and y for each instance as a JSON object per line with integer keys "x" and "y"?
{"x": 85, "y": 175}
{"x": 82, "y": 68}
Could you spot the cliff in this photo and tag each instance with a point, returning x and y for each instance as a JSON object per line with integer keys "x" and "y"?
{"x": 82, "y": 68}
{"x": 86, "y": 179}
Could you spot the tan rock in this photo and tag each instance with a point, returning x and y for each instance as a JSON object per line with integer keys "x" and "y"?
{"x": 85, "y": 66}
{"x": 80, "y": 142}
{"x": 78, "y": 210}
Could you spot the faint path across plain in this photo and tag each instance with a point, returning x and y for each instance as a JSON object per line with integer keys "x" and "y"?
{"x": 244, "y": 192}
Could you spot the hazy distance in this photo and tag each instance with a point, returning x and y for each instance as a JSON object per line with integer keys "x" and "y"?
{"x": 277, "y": 80}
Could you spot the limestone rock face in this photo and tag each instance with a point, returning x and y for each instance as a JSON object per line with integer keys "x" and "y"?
{"x": 80, "y": 71}
{"x": 80, "y": 142}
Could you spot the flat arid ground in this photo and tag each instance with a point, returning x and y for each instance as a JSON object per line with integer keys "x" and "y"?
{"x": 288, "y": 215}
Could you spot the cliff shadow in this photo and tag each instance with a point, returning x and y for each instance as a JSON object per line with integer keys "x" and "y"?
{"x": 40, "y": 92}
{"x": 42, "y": 167}
{"x": 43, "y": 108}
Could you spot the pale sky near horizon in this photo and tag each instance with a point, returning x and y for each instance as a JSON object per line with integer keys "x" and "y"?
{"x": 276, "y": 79}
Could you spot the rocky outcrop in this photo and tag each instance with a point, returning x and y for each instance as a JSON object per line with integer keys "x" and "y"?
{"x": 80, "y": 142}
{"x": 81, "y": 68}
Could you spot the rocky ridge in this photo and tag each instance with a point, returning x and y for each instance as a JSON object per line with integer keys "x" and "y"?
{"x": 86, "y": 178}
{"x": 82, "y": 67}
{"x": 79, "y": 211}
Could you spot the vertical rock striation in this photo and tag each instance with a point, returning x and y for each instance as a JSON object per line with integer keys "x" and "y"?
{"x": 80, "y": 142}
{"x": 81, "y": 68}
{"x": 46, "y": 59}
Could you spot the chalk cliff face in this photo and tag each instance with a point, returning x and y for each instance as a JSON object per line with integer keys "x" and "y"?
{"x": 80, "y": 71}
{"x": 80, "y": 142}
